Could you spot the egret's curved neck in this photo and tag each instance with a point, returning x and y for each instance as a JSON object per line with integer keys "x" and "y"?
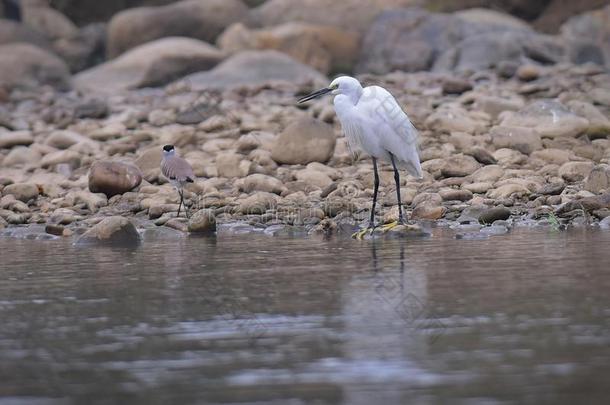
{"x": 353, "y": 94}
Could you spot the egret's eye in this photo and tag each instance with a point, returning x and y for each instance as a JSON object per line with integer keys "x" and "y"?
{"x": 336, "y": 86}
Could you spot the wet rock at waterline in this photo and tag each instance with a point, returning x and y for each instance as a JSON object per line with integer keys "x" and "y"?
{"x": 202, "y": 221}
{"x": 118, "y": 231}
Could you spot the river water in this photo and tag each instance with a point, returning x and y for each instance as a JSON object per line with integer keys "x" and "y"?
{"x": 517, "y": 318}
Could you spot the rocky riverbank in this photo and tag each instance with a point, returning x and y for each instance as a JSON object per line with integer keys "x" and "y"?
{"x": 492, "y": 147}
{"x": 502, "y": 140}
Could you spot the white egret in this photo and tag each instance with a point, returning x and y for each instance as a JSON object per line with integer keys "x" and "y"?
{"x": 373, "y": 122}
{"x": 178, "y": 171}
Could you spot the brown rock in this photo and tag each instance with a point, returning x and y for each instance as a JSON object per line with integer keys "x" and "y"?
{"x": 24, "y": 65}
{"x": 200, "y": 19}
{"x": 112, "y": 178}
{"x": 324, "y": 48}
{"x": 428, "y": 212}
{"x": 598, "y": 180}
{"x": 459, "y": 166}
{"x": 203, "y": 221}
{"x": 304, "y": 141}
{"x": 523, "y": 139}
{"x": 575, "y": 171}
{"x": 8, "y": 139}
{"x": 152, "y": 64}
{"x": 22, "y": 191}
{"x": 112, "y": 230}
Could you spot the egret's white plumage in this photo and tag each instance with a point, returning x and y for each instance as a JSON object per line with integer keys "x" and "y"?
{"x": 374, "y": 122}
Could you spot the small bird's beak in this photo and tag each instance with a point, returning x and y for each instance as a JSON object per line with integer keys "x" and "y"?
{"x": 315, "y": 94}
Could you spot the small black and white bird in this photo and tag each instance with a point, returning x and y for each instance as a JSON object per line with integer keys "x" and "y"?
{"x": 178, "y": 171}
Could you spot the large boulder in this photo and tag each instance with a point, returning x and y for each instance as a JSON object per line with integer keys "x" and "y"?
{"x": 47, "y": 21}
{"x": 548, "y": 118}
{"x": 112, "y": 230}
{"x": 112, "y": 178}
{"x": 559, "y": 11}
{"x": 588, "y": 37}
{"x": 414, "y": 39}
{"x": 22, "y": 191}
{"x": 152, "y": 64}
{"x": 304, "y": 141}
{"x": 11, "y": 31}
{"x": 8, "y": 139}
{"x": 201, "y": 19}
{"x": 203, "y": 221}
{"x": 255, "y": 68}
{"x": 321, "y": 47}
{"x": 25, "y": 65}
{"x": 478, "y": 52}
{"x": 355, "y": 15}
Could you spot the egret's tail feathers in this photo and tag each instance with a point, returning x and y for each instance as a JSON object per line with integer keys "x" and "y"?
{"x": 413, "y": 168}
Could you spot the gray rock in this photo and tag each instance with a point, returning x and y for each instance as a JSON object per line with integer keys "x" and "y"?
{"x": 261, "y": 182}
{"x": 322, "y": 47}
{"x": 203, "y": 221}
{"x": 64, "y": 139}
{"x": 112, "y": 230}
{"x": 112, "y": 178}
{"x": 53, "y": 159}
{"x": 459, "y": 166}
{"x": 523, "y": 139}
{"x": 92, "y": 108}
{"x": 598, "y": 179}
{"x": 588, "y": 204}
{"x": 231, "y": 165}
{"x": 8, "y": 139}
{"x": 149, "y": 162}
{"x": 200, "y": 19}
{"x": 549, "y": 118}
{"x": 11, "y": 32}
{"x": 21, "y": 155}
{"x": 304, "y": 141}
{"x": 413, "y": 40}
{"x": 25, "y": 65}
{"x": 588, "y": 37}
{"x": 575, "y": 171}
{"x": 257, "y": 203}
{"x": 152, "y": 64}
{"x": 493, "y": 214}
{"x": 255, "y": 68}
{"x": 22, "y": 191}
{"x": 354, "y": 15}
{"x": 54, "y": 229}
{"x": 454, "y": 85}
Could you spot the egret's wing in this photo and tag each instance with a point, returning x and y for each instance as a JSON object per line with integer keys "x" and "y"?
{"x": 391, "y": 124}
{"x": 354, "y": 134}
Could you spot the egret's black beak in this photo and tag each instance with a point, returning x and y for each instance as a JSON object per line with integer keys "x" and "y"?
{"x": 315, "y": 94}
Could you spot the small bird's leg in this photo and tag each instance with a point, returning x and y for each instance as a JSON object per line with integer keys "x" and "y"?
{"x": 186, "y": 210}
{"x": 371, "y": 227}
{"x": 401, "y": 219}
{"x": 180, "y": 204}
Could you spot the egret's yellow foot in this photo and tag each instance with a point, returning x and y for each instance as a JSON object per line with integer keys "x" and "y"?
{"x": 361, "y": 234}
{"x": 390, "y": 226}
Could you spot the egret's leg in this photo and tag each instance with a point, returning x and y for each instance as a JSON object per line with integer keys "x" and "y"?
{"x": 360, "y": 234}
{"x": 401, "y": 219}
